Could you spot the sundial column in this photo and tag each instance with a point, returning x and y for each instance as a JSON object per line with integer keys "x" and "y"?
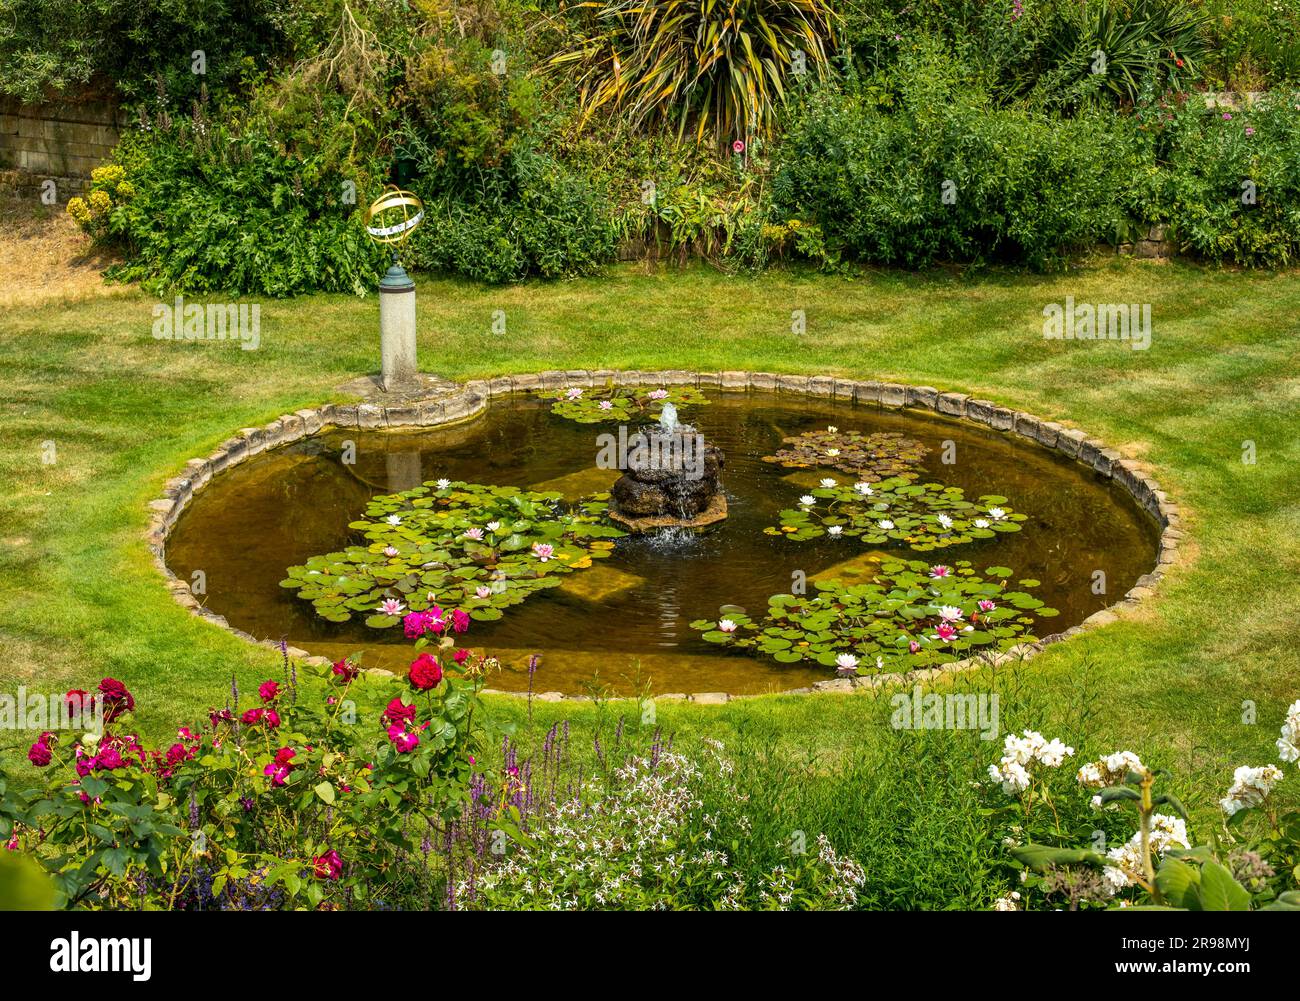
{"x": 397, "y": 328}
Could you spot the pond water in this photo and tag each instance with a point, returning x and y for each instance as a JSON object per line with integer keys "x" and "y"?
{"x": 622, "y": 626}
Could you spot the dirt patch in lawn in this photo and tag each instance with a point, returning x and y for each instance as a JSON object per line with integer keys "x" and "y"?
{"x": 45, "y": 257}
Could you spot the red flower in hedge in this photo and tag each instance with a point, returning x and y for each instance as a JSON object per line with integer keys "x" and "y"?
{"x": 460, "y": 620}
{"x": 398, "y": 712}
{"x": 460, "y": 656}
{"x": 269, "y": 691}
{"x": 346, "y": 670}
{"x": 109, "y": 758}
{"x": 404, "y": 741}
{"x": 39, "y": 755}
{"x": 78, "y": 703}
{"x": 425, "y": 672}
{"x": 328, "y": 866}
{"x": 279, "y": 769}
{"x": 117, "y": 700}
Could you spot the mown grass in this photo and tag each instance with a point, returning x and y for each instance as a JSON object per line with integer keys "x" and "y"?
{"x": 79, "y": 597}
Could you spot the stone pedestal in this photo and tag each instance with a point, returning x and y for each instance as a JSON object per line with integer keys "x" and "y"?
{"x": 397, "y": 329}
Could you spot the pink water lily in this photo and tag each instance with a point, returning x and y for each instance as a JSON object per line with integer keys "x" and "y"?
{"x": 657, "y": 394}
{"x": 985, "y": 605}
{"x": 946, "y": 632}
{"x": 606, "y": 405}
{"x": 573, "y": 393}
{"x": 543, "y": 551}
{"x": 940, "y": 571}
{"x": 390, "y": 606}
{"x": 474, "y": 534}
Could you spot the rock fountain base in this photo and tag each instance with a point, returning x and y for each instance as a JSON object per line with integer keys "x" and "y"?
{"x": 672, "y": 483}
{"x": 715, "y": 512}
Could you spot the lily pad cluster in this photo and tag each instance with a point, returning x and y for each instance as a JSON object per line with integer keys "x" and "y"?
{"x": 869, "y": 457}
{"x": 922, "y": 516}
{"x": 910, "y": 615}
{"x": 620, "y": 404}
{"x": 455, "y": 544}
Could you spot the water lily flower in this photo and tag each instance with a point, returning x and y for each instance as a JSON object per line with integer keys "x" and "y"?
{"x": 846, "y": 663}
{"x": 945, "y": 632}
{"x": 940, "y": 571}
{"x": 950, "y": 613}
{"x": 726, "y": 626}
{"x": 543, "y": 551}
{"x": 492, "y": 526}
{"x": 981, "y": 523}
{"x": 573, "y": 393}
{"x": 985, "y": 605}
{"x": 474, "y": 534}
{"x": 913, "y": 646}
{"x": 887, "y": 525}
{"x": 606, "y": 405}
{"x": 828, "y": 483}
{"x": 996, "y": 513}
{"x": 832, "y": 452}
{"x": 807, "y": 500}
{"x": 832, "y": 429}
{"x": 394, "y": 519}
{"x": 442, "y": 484}
{"x": 390, "y": 551}
{"x": 657, "y": 394}
{"x": 944, "y": 521}
{"x": 834, "y": 530}
{"x": 483, "y": 592}
{"x": 390, "y": 606}
{"x": 864, "y": 489}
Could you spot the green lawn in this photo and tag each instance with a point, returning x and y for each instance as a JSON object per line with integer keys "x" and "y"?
{"x": 79, "y": 597}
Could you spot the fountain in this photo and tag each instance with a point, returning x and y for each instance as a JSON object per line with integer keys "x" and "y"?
{"x": 671, "y": 479}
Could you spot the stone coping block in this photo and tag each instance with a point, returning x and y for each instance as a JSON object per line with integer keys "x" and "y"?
{"x": 468, "y": 401}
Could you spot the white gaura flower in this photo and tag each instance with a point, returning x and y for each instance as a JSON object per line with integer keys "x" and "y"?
{"x": 1110, "y": 770}
{"x": 726, "y": 626}
{"x": 442, "y": 484}
{"x": 393, "y": 519}
{"x": 944, "y": 521}
{"x": 981, "y": 523}
{"x": 863, "y": 488}
{"x": 887, "y": 525}
{"x": 834, "y": 530}
{"x": 807, "y": 500}
{"x": 996, "y": 513}
{"x": 846, "y": 662}
{"x": 1250, "y": 787}
{"x": 828, "y": 483}
{"x": 1288, "y": 745}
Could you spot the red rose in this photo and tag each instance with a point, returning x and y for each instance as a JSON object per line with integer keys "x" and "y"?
{"x": 345, "y": 669}
{"x": 425, "y": 672}
{"x": 39, "y": 755}
{"x": 269, "y": 691}
{"x": 460, "y": 620}
{"x": 399, "y": 712}
{"x": 117, "y": 700}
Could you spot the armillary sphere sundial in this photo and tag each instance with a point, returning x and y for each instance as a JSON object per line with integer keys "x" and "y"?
{"x": 390, "y": 220}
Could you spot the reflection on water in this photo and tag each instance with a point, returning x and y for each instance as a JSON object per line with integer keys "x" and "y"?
{"x": 624, "y": 623}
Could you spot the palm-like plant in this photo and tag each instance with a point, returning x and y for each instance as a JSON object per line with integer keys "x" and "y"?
{"x": 718, "y": 67}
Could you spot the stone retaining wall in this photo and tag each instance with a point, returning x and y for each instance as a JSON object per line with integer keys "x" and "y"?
{"x": 471, "y": 399}
{"x": 63, "y": 140}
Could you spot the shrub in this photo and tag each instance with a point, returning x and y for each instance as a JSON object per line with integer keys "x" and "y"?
{"x": 946, "y": 177}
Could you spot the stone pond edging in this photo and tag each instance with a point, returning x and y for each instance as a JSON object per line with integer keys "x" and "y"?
{"x": 463, "y": 402}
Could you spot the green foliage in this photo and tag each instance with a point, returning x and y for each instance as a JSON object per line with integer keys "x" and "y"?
{"x": 896, "y": 511}
{"x": 478, "y": 548}
{"x": 720, "y": 70}
{"x": 909, "y": 615}
{"x": 138, "y": 47}
{"x": 945, "y": 176}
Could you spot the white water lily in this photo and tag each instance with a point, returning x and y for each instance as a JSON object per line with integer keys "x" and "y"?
{"x": 832, "y": 452}
{"x": 981, "y": 523}
{"x": 807, "y": 500}
{"x": 828, "y": 483}
{"x": 833, "y": 429}
{"x": 950, "y": 613}
{"x": 834, "y": 530}
{"x": 393, "y": 519}
{"x": 726, "y": 626}
{"x": 492, "y": 526}
{"x": 887, "y": 525}
{"x": 996, "y": 513}
{"x": 442, "y": 484}
{"x": 846, "y": 662}
{"x": 944, "y": 521}
{"x": 390, "y": 551}
{"x": 864, "y": 489}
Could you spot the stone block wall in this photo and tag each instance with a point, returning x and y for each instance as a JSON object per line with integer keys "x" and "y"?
{"x": 62, "y": 140}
